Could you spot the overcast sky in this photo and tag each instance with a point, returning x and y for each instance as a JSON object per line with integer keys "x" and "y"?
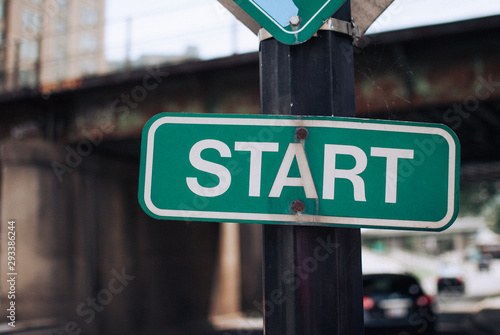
{"x": 170, "y": 26}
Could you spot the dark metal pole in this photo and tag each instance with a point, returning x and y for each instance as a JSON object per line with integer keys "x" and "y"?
{"x": 312, "y": 275}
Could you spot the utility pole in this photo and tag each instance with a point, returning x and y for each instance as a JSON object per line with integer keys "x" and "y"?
{"x": 312, "y": 274}
{"x": 128, "y": 44}
{"x": 17, "y": 60}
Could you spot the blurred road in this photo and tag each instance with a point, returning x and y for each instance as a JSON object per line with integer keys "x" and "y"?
{"x": 476, "y": 312}
{"x": 457, "y": 316}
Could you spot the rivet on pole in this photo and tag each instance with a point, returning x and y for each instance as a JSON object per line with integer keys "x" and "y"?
{"x": 298, "y": 206}
{"x": 301, "y": 133}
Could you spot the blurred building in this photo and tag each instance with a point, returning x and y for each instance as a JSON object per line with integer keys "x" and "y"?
{"x": 46, "y": 42}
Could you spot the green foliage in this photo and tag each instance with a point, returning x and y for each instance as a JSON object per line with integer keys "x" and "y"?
{"x": 482, "y": 199}
{"x": 493, "y": 215}
{"x": 473, "y": 200}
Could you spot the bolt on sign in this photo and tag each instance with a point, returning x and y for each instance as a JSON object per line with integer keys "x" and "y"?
{"x": 300, "y": 170}
{"x": 296, "y": 21}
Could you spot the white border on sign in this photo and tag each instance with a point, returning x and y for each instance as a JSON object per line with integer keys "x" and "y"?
{"x": 295, "y": 32}
{"x": 311, "y": 219}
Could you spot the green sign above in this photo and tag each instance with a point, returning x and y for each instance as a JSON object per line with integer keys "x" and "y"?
{"x": 300, "y": 170}
{"x": 289, "y": 21}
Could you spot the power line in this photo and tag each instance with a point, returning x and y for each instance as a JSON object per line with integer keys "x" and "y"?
{"x": 161, "y": 11}
{"x": 107, "y": 23}
{"x": 93, "y": 54}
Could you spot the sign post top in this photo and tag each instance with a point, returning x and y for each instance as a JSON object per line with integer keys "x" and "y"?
{"x": 290, "y": 21}
{"x": 295, "y": 21}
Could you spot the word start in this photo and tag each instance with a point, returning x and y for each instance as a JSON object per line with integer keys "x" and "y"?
{"x": 295, "y": 151}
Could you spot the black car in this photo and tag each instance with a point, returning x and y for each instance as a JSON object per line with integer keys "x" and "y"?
{"x": 396, "y": 304}
{"x": 484, "y": 262}
{"x": 450, "y": 280}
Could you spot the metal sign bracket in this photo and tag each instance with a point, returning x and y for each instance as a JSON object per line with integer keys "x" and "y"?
{"x": 332, "y": 24}
{"x": 340, "y": 26}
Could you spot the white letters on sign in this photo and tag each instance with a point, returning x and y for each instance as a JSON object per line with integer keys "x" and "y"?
{"x": 256, "y": 149}
{"x": 331, "y": 172}
{"x": 295, "y": 151}
{"x": 203, "y": 165}
{"x": 391, "y": 179}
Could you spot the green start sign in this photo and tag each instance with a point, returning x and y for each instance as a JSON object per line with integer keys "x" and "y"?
{"x": 300, "y": 170}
